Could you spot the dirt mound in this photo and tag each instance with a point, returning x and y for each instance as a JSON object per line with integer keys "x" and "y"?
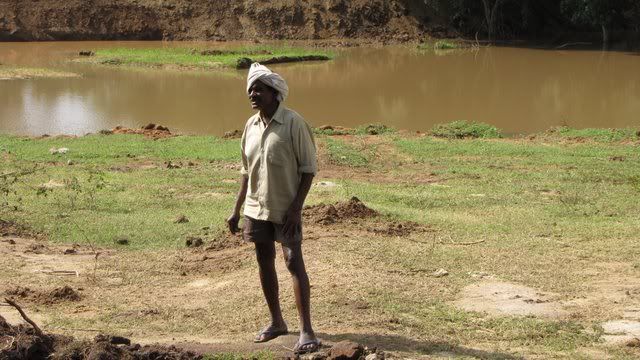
{"x": 151, "y": 130}
{"x": 385, "y": 20}
{"x": 11, "y": 228}
{"x": 324, "y": 214}
{"x": 22, "y": 342}
{"x": 55, "y": 296}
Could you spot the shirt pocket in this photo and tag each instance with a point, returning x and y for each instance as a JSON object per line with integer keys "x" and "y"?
{"x": 277, "y": 154}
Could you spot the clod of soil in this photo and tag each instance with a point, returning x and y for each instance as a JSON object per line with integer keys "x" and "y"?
{"x": 194, "y": 242}
{"x": 122, "y": 241}
{"x": 181, "y": 220}
{"x": 330, "y": 214}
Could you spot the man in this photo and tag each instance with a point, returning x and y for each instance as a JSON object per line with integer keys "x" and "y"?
{"x": 278, "y": 165}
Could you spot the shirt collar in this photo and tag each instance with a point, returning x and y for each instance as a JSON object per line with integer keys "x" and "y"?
{"x": 277, "y": 116}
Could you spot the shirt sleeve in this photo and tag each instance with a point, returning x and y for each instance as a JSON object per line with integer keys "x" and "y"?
{"x": 245, "y": 162}
{"x": 304, "y": 147}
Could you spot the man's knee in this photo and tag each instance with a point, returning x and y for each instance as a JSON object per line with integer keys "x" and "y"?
{"x": 294, "y": 262}
{"x": 265, "y": 255}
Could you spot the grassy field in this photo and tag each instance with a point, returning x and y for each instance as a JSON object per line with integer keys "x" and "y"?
{"x": 194, "y": 57}
{"x": 556, "y": 212}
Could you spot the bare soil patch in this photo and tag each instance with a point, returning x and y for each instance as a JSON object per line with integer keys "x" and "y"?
{"x": 150, "y": 130}
{"x": 395, "y": 228}
{"x": 506, "y": 299}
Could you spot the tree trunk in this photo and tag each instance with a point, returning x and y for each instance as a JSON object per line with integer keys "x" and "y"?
{"x": 491, "y": 16}
{"x": 605, "y": 37}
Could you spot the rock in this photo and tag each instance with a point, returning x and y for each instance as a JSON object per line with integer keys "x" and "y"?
{"x": 69, "y": 251}
{"x": 181, "y": 220}
{"x": 86, "y": 53}
{"x": 635, "y": 343}
{"x": 149, "y": 126}
{"x": 345, "y": 350}
{"x": 70, "y": 162}
{"x": 122, "y": 241}
{"x": 326, "y": 184}
{"x": 54, "y": 151}
{"x": 171, "y": 165}
{"x": 162, "y": 128}
{"x": 440, "y": 273}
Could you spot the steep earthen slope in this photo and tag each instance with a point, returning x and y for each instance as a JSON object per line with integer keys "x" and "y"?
{"x": 398, "y": 20}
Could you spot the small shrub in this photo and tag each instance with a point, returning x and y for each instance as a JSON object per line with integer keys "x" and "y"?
{"x": 445, "y": 45}
{"x": 462, "y": 129}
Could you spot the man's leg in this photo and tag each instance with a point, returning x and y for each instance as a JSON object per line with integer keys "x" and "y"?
{"x": 266, "y": 255}
{"x": 295, "y": 265}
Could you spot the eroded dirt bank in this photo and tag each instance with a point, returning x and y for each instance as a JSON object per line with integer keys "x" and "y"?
{"x": 387, "y": 20}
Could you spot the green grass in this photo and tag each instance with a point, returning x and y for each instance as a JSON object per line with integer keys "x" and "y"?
{"x": 463, "y": 129}
{"x": 348, "y": 154}
{"x": 194, "y": 58}
{"x": 548, "y": 210}
{"x": 602, "y": 135}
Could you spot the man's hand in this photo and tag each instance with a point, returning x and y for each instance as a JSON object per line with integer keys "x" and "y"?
{"x": 232, "y": 222}
{"x": 292, "y": 222}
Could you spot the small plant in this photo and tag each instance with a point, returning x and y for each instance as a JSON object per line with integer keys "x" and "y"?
{"x": 8, "y": 184}
{"x": 462, "y": 129}
{"x": 445, "y": 45}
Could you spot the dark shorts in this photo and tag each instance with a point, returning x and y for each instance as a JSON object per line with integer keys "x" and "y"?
{"x": 262, "y": 231}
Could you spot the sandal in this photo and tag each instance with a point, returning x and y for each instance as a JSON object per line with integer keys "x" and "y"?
{"x": 269, "y": 333}
{"x": 306, "y": 348}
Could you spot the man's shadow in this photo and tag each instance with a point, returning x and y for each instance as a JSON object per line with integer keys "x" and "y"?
{"x": 401, "y": 343}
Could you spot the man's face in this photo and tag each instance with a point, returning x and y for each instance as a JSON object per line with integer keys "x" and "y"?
{"x": 261, "y": 95}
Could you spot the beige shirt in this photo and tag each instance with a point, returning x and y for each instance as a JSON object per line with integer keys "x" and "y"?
{"x": 274, "y": 158}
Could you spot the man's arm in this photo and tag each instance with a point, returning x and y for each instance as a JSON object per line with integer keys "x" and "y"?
{"x": 234, "y": 219}
{"x": 293, "y": 217}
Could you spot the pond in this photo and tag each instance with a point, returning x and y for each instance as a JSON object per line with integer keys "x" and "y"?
{"x": 519, "y": 90}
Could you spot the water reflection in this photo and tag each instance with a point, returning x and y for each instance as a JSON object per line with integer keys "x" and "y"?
{"x": 518, "y": 90}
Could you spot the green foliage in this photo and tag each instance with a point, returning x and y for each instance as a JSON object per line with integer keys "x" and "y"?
{"x": 462, "y": 129}
{"x": 445, "y": 45}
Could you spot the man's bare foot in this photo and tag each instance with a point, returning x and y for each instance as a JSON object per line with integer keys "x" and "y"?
{"x": 307, "y": 343}
{"x": 271, "y": 332}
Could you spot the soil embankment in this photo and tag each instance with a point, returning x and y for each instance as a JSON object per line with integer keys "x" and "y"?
{"x": 385, "y": 20}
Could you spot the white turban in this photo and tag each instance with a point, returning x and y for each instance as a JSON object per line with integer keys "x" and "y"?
{"x": 269, "y": 78}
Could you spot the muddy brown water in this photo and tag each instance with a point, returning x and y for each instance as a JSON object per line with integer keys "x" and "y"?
{"x": 518, "y": 90}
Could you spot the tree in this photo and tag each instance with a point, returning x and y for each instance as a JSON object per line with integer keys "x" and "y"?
{"x": 599, "y": 13}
